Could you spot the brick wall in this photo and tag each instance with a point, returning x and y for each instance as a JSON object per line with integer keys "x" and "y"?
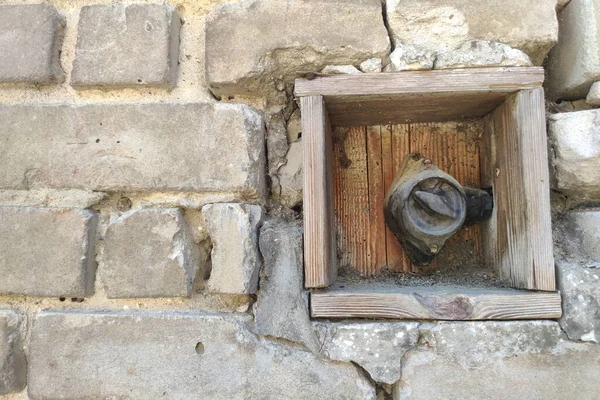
{"x": 151, "y": 188}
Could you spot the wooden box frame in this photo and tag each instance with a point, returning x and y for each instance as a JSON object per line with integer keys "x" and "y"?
{"x": 517, "y": 239}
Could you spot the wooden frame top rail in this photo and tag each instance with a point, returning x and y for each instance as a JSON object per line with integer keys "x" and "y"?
{"x": 506, "y": 80}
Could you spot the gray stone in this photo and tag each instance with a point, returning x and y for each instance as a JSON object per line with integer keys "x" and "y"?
{"x": 149, "y": 253}
{"x": 579, "y": 234}
{"x": 294, "y": 127}
{"x": 378, "y": 347}
{"x": 13, "y": 365}
{"x": 291, "y": 176}
{"x": 340, "y": 69}
{"x": 435, "y": 26}
{"x": 126, "y": 45}
{"x": 176, "y": 356}
{"x": 282, "y": 306}
{"x": 580, "y": 291}
{"x": 371, "y": 65}
{"x": 575, "y": 140}
{"x": 31, "y": 37}
{"x": 482, "y": 360}
{"x": 235, "y": 258}
{"x": 593, "y": 96}
{"x": 277, "y": 144}
{"x": 482, "y": 53}
{"x": 47, "y": 252}
{"x": 277, "y": 41}
{"x": 560, "y": 4}
{"x": 407, "y": 57}
{"x": 574, "y": 63}
{"x": 198, "y": 147}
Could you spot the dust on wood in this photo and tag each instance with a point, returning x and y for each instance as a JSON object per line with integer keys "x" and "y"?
{"x": 365, "y": 162}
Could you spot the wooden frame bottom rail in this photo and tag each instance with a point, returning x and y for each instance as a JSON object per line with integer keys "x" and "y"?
{"x": 436, "y": 304}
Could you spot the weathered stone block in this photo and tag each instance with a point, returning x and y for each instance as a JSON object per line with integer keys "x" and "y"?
{"x": 279, "y": 40}
{"x": 482, "y": 53}
{"x": 282, "y": 306}
{"x": 176, "y": 356}
{"x": 13, "y": 366}
{"x": 593, "y": 96}
{"x": 378, "y": 347}
{"x": 291, "y": 176}
{"x": 198, "y": 147}
{"x": 575, "y": 138}
{"x": 580, "y": 291}
{"x": 340, "y": 69}
{"x": 434, "y": 26}
{"x": 371, "y": 65}
{"x": 574, "y": 63}
{"x": 480, "y": 360}
{"x": 149, "y": 253}
{"x": 580, "y": 234}
{"x": 126, "y": 45}
{"x": 31, "y": 37}
{"x": 47, "y": 252}
{"x": 235, "y": 259}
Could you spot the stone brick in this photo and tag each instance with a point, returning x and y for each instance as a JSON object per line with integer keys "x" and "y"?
{"x": 378, "y": 347}
{"x": 593, "y": 96}
{"x": 480, "y": 360}
{"x": 482, "y": 53}
{"x": 31, "y": 37}
{"x": 575, "y": 139}
{"x": 176, "y": 356}
{"x": 574, "y": 63}
{"x": 47, "y": 252}
{"x": 580, "y": 291}
{"x": 291, "y": 176}
{"x": 282, "y": 306}
{"x": 126, "y": 45}
{"x": 149, "y": 253}
{"x": 13, "y": 366}
{"x": 579, "y": 233}
{"x": 197, "y": 147}
{"x": 235, "y": 259}
{"x": 279, "y": 40}
{"x": 434, "y": 26}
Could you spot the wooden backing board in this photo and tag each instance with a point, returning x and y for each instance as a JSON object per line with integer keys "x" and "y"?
{"x": 427, "y": 303}
{"x": 365, "y": 162}
{"x": 320, "y": 258}
{"x": 418, "y": 96}
{"x": 519, "y": 236}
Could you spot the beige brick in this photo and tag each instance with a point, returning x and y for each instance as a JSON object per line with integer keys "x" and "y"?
{"x": 126, "y": 45}
{"x": 47, "y": 252}
{"x": 195, "y": 147}
{"x": 31, "y": 37}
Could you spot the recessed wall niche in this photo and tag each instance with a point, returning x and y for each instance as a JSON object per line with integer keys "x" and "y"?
{"x": 486, "y": 128}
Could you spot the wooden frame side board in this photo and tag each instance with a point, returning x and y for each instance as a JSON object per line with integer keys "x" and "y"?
{"x": 517, "y": 241}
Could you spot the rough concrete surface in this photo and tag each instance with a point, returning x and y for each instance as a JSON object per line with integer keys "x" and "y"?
{"x": 235, "y": 258}
{"x": 31, "y": 36}
{"x": 513, "y": 360}
{"x": 176, "y": 356}
{"x": 575, "y": 141}
{"x": 197, "y": 147}
{"x": 47, "y": 251}
{"x": 434, "y": 26}
{"x": 378, "y": 347}
{"x": 126, "y": 45}
{"x": 279, "y": 40}
{"x": 574, "y": 63}
{"x": 282, "y": 306}
{"x": 13, "y": 365}
{"x": 149, "y": 253}
{"x": 482, "y": 53}
{"x": 580, "y": 290}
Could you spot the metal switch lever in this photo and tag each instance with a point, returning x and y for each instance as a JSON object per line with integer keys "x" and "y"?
{"x": 425, "y": 206}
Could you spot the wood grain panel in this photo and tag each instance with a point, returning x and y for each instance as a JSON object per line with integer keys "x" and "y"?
{"x": 320, "y": 259}
{"x": 427, "y": 303}
{"x": 399, "y": 148}
{"x": 521, "y": 229}
{"x": 351, "y": 196}
{"x": 376, "y": 242}
{"x": 455, "y": 81}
